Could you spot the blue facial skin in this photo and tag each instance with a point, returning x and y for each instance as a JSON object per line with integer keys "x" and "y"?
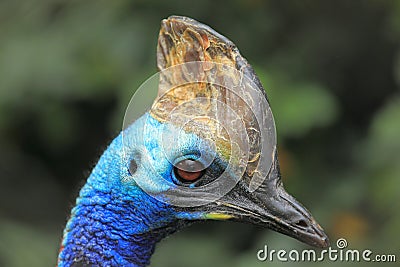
{"x": 114, "y": 222}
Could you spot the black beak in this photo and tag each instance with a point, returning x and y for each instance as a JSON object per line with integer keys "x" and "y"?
{"x": 272, "y": 207}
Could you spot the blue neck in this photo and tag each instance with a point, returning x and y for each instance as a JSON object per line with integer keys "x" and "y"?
{"x": 114, "y": 223}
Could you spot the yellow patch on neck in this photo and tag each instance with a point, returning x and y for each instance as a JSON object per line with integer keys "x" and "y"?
{"x": 218, "y": 216}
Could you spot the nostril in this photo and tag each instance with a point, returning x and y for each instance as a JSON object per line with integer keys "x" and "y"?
{"x": 302, "y": 223}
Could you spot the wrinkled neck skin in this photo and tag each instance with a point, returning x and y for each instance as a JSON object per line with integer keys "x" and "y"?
{"x": 114, "y": 223}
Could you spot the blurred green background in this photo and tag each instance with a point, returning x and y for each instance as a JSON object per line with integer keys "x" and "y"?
{"x": 332, "y": 73}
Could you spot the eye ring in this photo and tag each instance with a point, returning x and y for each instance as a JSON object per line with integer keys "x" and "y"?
{"x": 189, "y": 170}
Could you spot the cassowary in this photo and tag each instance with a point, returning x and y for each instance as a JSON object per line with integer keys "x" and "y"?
{"x": 206, "y": 149}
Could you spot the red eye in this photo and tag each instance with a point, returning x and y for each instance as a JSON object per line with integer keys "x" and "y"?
{"x": 189, "y": 170}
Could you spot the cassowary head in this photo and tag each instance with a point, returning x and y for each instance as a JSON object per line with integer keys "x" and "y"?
{"x": 205, "y": 150}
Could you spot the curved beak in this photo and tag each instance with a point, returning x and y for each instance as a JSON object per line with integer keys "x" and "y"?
{"x": 272, "y": 207}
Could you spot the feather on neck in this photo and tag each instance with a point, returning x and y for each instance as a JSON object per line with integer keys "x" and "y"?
{"x": 114, "y": 224}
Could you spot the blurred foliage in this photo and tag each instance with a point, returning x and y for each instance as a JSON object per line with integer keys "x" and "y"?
{"x": 331, "y": 70}
{"x": 302, "y": 106}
